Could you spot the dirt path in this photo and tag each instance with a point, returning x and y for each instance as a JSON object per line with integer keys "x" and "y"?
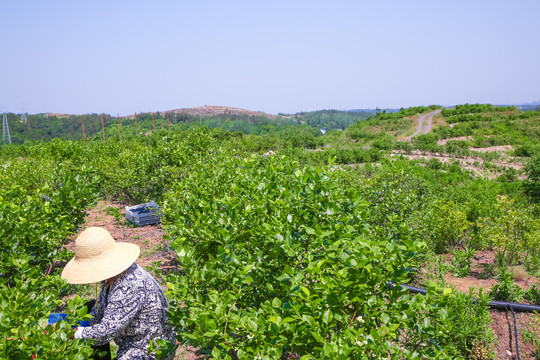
{"x": 421, "y": 128}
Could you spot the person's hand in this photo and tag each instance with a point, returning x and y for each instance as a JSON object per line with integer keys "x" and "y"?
{"x": 78, "y": 333}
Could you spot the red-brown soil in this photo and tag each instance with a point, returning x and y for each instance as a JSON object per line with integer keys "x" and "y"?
{"x": 503, "y": 327}
{"x": 476, "y": 280}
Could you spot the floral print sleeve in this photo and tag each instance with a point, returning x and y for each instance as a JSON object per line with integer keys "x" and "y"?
{"x": 132, "y": 312}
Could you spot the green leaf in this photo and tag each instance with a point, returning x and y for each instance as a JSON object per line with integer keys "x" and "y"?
{"x": 317, "y": 336}
{"x": 382, "y": 331}
{"x": 326, "y": 233}
{"x": 310, "y": 320}
{"x": 305, "y": 290}
{"x": 310, "y": 230}
{"x": 287, "y": 320}
{"x": 327, "y": 317}
{"x": 447, "y": 291}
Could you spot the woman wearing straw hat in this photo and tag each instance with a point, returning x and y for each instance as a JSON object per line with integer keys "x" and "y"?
{"x": 131, "y": 308}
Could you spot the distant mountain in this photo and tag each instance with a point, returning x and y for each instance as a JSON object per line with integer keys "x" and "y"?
{"x": 525, "y": 107}
{"x": 204, "y": 111}
{"x": 214, "y": 110}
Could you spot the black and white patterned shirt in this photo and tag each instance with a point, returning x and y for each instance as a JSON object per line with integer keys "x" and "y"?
{"x": 132, "y": 311}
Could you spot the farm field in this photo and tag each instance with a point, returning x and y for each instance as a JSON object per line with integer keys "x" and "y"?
{"x": 271, "y": 250}
{"x": 159, "y": 259}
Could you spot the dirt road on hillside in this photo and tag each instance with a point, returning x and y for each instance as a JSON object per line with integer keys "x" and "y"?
{"x": 421, "y": 128}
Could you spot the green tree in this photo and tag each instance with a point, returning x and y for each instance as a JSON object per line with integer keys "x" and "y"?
{"x": 532, "y": 185}
{"x": 513, "y": 232}
{"x": 446, "y": 225}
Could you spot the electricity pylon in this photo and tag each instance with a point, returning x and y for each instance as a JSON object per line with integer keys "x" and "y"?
{"x": 6, "y": 130}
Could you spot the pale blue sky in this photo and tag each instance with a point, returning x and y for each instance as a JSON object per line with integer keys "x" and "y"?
{"x": 274, "y": 56}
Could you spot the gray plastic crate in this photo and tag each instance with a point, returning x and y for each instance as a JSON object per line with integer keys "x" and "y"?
{"x": 144, "y": 214}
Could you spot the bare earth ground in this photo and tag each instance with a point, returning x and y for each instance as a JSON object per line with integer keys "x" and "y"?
{"x": 474, "y": 164}
{"x": 461, "y": 138}
{"x": 154, "y": 248}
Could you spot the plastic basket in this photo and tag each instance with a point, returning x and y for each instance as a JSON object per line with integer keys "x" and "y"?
{"x": 144, "y": 214}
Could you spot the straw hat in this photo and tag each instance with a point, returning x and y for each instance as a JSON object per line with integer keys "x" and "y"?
{"x": 98, "y": 257}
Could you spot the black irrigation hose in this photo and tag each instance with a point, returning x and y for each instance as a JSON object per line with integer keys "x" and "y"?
{"x": 501, "y": 305}
{"x": 515, "y": 332}
{"x": 413, "y": 289}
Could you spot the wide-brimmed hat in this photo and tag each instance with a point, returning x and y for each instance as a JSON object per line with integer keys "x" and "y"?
{"x": 98, "y": 257}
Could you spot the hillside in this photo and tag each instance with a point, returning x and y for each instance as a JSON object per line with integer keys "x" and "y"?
{"x": 485, "y": 140}
{"x": 212, "y": 110}
{"x": 69, "y": 127}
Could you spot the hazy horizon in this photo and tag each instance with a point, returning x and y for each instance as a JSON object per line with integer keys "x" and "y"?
{"x": 131, "y": 56}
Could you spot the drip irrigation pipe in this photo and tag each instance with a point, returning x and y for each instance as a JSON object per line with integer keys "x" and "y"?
{"x": 501, "y": 305}
{"x": 515, "y": 332}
